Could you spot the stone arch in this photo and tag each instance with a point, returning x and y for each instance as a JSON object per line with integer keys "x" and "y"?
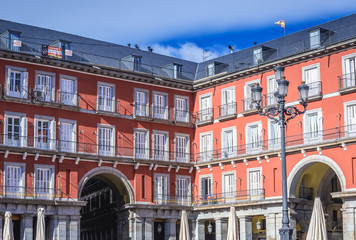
{"x": 303, "y": 164}
{"x": 107, "y": 171}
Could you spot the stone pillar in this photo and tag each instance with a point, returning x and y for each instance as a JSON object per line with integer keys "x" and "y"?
{"x": 192, "y": 227}
{"x": 53, "y": 228}
{"x": 1, "y": 230}
{"x": 245, "y": 228}
{"x": 271, "y": 227}
{"x": 138, "y": 229}
{"x": 26, "y": 227}
{"x": 62, "y": 228}
{"x": 348, "y": 221}
{"x": 200, "y": 229}
{"x": 220, "y": 229}
{"x": 149, "y": 229}
{"x": 170, "y": 229}
{"x": 74, "y": 228}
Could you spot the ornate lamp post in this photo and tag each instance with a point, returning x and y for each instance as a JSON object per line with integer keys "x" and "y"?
{"x": 281, "y": 115}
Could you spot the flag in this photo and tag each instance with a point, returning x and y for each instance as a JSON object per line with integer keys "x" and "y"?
{"x": 281, "y": 23}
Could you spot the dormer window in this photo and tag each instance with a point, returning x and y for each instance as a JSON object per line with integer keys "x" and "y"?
{"x": 11, "y": 39}
{"x": 177, "y": 71}
{"x": 60, "y": 49}
{"x": 210, "y": 69}
{"x": 314, "y": 38}
{"x": 131, "y": 62}
{"x": 257, "y": 56}
{"x": 261, "y": 54}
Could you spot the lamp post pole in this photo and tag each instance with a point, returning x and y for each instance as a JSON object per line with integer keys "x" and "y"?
{"x": 281, "y": 115}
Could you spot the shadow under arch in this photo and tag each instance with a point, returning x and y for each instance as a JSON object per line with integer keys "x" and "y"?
{"x": 303, "y": 164}
{"x": 115, "y": 176}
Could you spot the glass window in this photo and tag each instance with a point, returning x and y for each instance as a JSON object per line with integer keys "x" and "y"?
{"x": 206, "y": 147}
{"x": 67, "y": 137}
{"x": 16, "y": 83}
{"x": 314, "y": 38}
{"x": 257, "y": 56}
{"x": 141, "y": 144}
{"x": 161, "y": 189}
{"x": 106, "y": 98}
{"x": 210, "y": 69}
{"x": 16, "y": 130}
{"x": 160, "y": 146}
{"x": 106, "y": 141}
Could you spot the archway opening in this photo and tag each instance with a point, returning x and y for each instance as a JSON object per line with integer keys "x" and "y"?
{"x": 105, "y": 215}
{"x": 316, "y": 179}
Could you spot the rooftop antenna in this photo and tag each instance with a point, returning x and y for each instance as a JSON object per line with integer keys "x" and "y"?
{"x": 129, "y": 44}
{"x": 149, "y": 49}
{"x": 137, "y": 47}
{"x": 255, "y": 43}
{"x": 231, "y": 48}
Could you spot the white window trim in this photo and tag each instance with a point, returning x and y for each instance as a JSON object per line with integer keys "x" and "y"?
{"x": 190, "y": 183}
{"x": 343, "y": 58}
{"x": 248, "y": 176}
{"x": 51, "y": 167}
{"x": 15, "y": 114}
{"x": 316, "y": 65}
{"x": 74, "y": 138}
{"x": 259, "y": 123}
{"x": 204, "y": 134}
{"x": 113, "y": 144}
{"x": 223, "y": 180}
{"x": 111, "y": 85}
{"x": 204, "y": 96}
{"x": 75, "y": 79}
{"x": 305, "y": 115}
{"x": 155, "y": 175}
{"x": 182, "y": 97}
{"x": 23, "y": 177}
{"x": 212, "y": 182}
{"x": 227, "y": 89}
{"x": 52, "y": 131}
{"x": 154, "y": 93}
{"x": 187, "y": 136}
{"x": 142, "y": 90}
{"x": 346, "y": 104}
{"x": 268, "y": 82}
{"x": 147, "y": 142}
{"x": 53, "y": 82}
{"x": 234, "y": 135}
{"x": 7, "y": 79}
{"x": 166, "y": 133}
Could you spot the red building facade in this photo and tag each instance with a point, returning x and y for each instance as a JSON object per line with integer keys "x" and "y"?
{"x": 116, "y": 147}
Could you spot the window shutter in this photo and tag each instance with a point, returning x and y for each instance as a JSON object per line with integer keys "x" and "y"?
{"x": 52, "y": 127}
{"x": 24, "y": 78}
{"x": 8, "y": 82}
{"x": 23, "y": 130}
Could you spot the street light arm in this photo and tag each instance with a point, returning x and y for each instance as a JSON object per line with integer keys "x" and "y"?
{"x": 271, "y": 112}
{"x": 292, "y": 112}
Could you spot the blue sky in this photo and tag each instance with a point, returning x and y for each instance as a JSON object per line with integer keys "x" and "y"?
{"x": 178, "y": 28}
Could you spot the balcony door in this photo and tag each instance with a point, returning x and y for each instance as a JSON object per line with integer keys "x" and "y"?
{"x": 68, "y": 92}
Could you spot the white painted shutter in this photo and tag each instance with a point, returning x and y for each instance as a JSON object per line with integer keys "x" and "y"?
{"x": 23, "y": 131}
{"x": 24, "y": 80}
{"x": 14, "y": 180}
{"x": 351, "y": 118}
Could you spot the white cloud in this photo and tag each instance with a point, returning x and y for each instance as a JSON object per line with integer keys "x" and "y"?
{"x": 188, "y": 51}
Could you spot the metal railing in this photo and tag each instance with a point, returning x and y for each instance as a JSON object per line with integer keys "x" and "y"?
{"x": 204, "y": 116}
{"x": 107, "y": 105}
{"x": 142, "y": 110}
{"x": 69, "y": 98}
{"x": 15, "y": 91}
{"x": 19, "y": 192}
{"x": 227, "y": 110}
{"x": 229, "y": 197}
{"x": 163, "y": 199}
{"x": 249, "y": 105}
{"x": 306, "y": 193}
{"x": 270, "y": 99}
{"x": 161, "y": 113}
{"x": 347, "y": 80}
{"x": 43, "y": 95}
{"x": 182, "y": 116}
{"x": 314, "y": 89}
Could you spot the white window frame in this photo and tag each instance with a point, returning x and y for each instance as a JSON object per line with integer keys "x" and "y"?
{"x": 74, "y": 135}
{"x": 23, "y": 91}
{"x": 106, "y": 107}
{"x": 185, "y": 158}
{"x": 15, "y": 193}
{"x": 205, "y": 114}
{"x": 23, "y": 129}
{"x": 315, "y": 86}
{"x": 313, "y": 39}
{"x": 52, "y": 132}
{"x": 248, "y": 101}
{"x": 179, "y": 116}
{"x": 350, "y": 130}
{"x": 183, "y": 200}
{"x": 258, "y": 55}
{"x": 307, "y": 139}
{"x": 41, "y": 193}
{"x": 273, "y": 143}
{"x": 165, "y": 156}
{"x": 228, "y": 108}
{"x": 160, "y": 115}
{"x": 271, "y": 99}
{"x": 112, "y": 151}
{"x": 249, "y": 149}
{"x": 48, "y": 95}
{"x": 164, "y": 196}
{"x": 210, "y": 69}
{"x": 145, "y": 155}
{"x": 63, "y": 94}
{"x": 233, "y": 153}
{"x": 231, "y": 195}
{"x": 205, "y": 199}
{"x": 206, "y": 156}
{"x": 348, "y": 81}
{"x": 254, "y": 194}
{"x": 177, "y": 70}
{"x": 145, "y": 111}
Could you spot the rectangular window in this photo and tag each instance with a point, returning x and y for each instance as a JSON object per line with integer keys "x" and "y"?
{"x": 14, "y": 43}
{"x": 67, "y": 136}
{"x": 254, "y": 178}
{"x": 206, "y": 147}
{"x": 182, "y": 148}
{"x": 229, "y": 144}
{"x": 229, "y": 187}
{"x": 274, "y": 139}
{"x": 257, "y": 56}
{"x": 68, "y": 91}
{"x": 44, "y": 182}
{"x": 16, "y": 82}
{"x": 254, "y": 138}
{"x": 106, "y": 98}
{"x": 136, "y": 63}
{"x": 45, "y": 136}
{"x": 314, "y": 38}
{"x": 183, "y": 190}
{"x": 311, "y": 76}
{"x": 141, "y": 144}
{"x": 210, "y": 69}
{"x": 177, "y": 71}
{"x": 313, "y": 127}
{"x": 160, "y": 146}
{"x": 106, "y": 141}
{"x": 181, "y": 109}
{"x": 349, "y": 71}
{"x": 248, "y": 101}
{"x": 206, "y": 111}
{"x": 272, "y": 87}
{"x": 160, "y": 106}
{"x": 206, "y": 190}
{"x": 228, "y": 104}
{"x": 16, "y": 130}
{"x": 14, "y": 184}
{"x": 45, "y": 87}
{"x": 161, "y": 188}
{"x": 350, "y": 118}
{"x": 141, "y": 103}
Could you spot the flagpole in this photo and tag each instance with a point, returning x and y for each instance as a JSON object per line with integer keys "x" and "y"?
{"x": 284, "y": 31}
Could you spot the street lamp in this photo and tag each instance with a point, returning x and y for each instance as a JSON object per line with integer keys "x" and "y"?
{"x": 281, "y": 115}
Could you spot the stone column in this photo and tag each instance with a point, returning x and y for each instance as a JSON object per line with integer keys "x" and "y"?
{"x": 170, "y": 229}
{"x": 53, "y": 228}
{"x": 271, "y": 227}
{"x": 138, "y": 229}
{"x": 245, "y": 228}
{"x": 193, "y": 225}
{"x": 62, "y": 228}
{"x": 220, "y": 229}
{"x": 200, "y": 229}
{"x": 149, "y": 229}
{"x": 348, "y": 221}
{"x": 1, "y": 230}
{"x": 26, "y": 227}
{"x": 74, "y": 228}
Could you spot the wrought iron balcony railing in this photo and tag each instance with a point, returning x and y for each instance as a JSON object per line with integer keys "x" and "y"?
{"x": 204, "y": 116}
{"x": 163, "y": 199}
{"x": 107, "y": 105}
{"x": 69, "y": 98}
{"x": 347, "y": 81}
{"x": 19, "y": 192}
{"x": 227, "y": 110}
{"x": 314, "y": 89}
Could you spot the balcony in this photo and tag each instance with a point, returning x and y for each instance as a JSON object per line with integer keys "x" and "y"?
{"x": 229, "y": 197}
{"x": 270, "y": 99}
{"x": 227, "y": 111}
{"x": 15, "y": 91}
{"x": 107, "y": 105}
{"x": 160, "y": 113}
{"x": 347, "y": 83}
{"x": 43, "y": 95}
{"x": 141, "y": 111}
{"x": 315, "y": 92}
{"x": 69, "y": 99}
{"x": 182, "y": 116}
{"x": 163, "y": 199}
{"x": 249, "y": 107}
{"x": 205, "y": 116}
{"x": 18, "y": 192}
